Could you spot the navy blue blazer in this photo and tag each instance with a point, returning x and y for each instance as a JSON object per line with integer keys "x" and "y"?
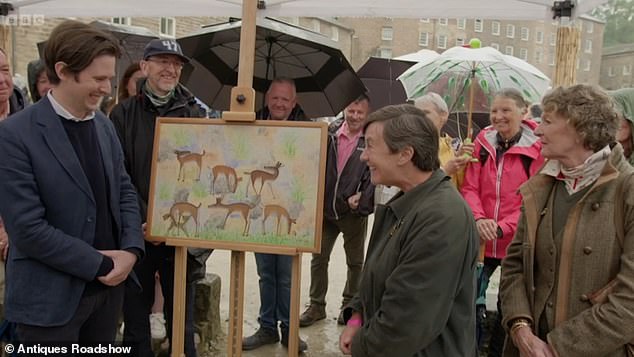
{"x": 49, "y": 214}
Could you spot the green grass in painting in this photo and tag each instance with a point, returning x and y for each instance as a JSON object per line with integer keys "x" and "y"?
{"x": 164, "y": 192}
{"x": 298, "y": 193}
{"x": 290, "y": 146}
{"x": 181, "y": 138}
{"x": 199, "y": 190}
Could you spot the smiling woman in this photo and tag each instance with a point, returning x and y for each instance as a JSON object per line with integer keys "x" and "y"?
{"x": 508, "y": 153}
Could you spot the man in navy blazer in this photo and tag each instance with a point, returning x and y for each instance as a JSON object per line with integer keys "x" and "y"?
{"x": 68, "y": 206}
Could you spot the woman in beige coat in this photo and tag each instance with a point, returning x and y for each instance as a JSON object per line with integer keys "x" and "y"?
{"x": 574, "y": 238}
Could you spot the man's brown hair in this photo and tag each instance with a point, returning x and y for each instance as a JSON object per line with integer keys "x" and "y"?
{"x": 77, "y": 45}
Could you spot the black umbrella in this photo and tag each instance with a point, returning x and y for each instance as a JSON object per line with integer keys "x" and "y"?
{"x": 325, "y": 81}
{"x": 132, "y": 40}
{"x": 379, "y": 76}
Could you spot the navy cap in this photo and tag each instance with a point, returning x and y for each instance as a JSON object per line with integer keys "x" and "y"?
{"x": 164, "y": 47}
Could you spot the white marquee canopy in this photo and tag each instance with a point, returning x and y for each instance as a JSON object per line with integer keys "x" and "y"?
{"x": 485, "y": 9}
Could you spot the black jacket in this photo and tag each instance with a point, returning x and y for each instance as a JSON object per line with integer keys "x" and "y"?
{"x": 135, "y": 119}
{"x": 17, "y": 101}
{"x": 354, "y": 178}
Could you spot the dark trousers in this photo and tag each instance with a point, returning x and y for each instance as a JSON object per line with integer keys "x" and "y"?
{"x": 138, "y": 303}
{"x": 95, "y": 321}
{"x": 497, "y": 332}
{"x": 353, "y": 228}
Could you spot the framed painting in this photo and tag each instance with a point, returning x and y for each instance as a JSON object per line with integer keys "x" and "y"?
{"x": 249, "y": 186}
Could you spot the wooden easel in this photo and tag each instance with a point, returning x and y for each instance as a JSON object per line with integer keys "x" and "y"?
{"x": 242, "y": 109}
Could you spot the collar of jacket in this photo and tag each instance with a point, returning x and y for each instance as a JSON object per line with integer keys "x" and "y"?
{"x": 403, "y": 202}
{"x": 182, "y": 96}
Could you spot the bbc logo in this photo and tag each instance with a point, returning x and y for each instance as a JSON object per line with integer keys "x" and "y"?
{"x": 22, "y": 20}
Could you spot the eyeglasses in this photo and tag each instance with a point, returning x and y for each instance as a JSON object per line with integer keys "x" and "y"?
{"x": 167, "y": 63}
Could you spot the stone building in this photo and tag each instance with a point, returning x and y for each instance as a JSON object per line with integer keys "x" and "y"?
{"x": 532, "y": 41}
{"x": 616, "y": 67}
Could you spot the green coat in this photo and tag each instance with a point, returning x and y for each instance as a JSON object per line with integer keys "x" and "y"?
{"x": 593, "y": 258}
{"x": 417, "y": 292}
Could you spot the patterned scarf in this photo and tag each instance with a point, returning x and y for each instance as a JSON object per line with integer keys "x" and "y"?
{"x": 582, "y": 176}
{"x": 156, "y": 99}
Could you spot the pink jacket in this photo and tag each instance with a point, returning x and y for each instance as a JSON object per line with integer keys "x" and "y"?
{"x": 492, "y": 189}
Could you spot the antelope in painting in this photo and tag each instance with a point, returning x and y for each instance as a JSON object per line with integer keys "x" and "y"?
{"x": 229, "y": 174}
{"x": 179, "y": 214}
{"x": 185, "y": 157}
{"x": 240, "y": 207}
{"x": 264, "y": 177}
{"x": 279, "y": 212}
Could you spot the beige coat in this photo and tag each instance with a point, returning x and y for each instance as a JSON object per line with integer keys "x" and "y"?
{"x": 591, "y": 255}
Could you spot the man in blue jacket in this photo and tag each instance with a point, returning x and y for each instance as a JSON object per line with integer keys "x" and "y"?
{"x": 68, "y": 206}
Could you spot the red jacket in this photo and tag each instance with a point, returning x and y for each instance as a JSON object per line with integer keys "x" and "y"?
{"x": 492, "y": 189}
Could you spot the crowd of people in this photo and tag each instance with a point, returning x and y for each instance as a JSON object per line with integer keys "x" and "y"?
{"x": 544, "y": 192}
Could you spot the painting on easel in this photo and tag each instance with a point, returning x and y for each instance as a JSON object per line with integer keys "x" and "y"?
{"x": 255, "y": 184}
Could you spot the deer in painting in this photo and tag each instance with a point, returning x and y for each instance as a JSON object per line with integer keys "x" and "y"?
{"x": 179, "y": 214}
{"x": 230, "y": 177}
{"x": 185, "y": 157}
{"x": 279, "y": 212}
{"x": 264, "y": 177}
{"x": 240, "y": 207}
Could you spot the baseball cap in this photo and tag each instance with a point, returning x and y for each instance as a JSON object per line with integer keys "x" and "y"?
{"x": 164, "y": 47}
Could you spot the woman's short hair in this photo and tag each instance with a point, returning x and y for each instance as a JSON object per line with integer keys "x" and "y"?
{"x": 588, "y": 109}
{"x": 77, "y": 45}
{"x": 122, "y": 91}
{"x": 405, "y": 125}
{"x": 515, "y": 95}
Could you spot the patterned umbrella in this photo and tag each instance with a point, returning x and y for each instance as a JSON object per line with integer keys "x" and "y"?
{"x": 467, "y": 78}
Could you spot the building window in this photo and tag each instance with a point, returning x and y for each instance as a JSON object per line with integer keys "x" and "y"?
{"x": 495, "y": 45}
{"x": 425, "y": 20}
{"x": 121, "y": 20}
{"x": 553, "y": 39}
{"x": 524, "y": 54}
{"x": 551, "y": 59}
{"x": 423, "y": 39}
{"x": 508, "y": 50}
{"x": 539, "y": 37}
{"x": 495, "y": 28}
{"x": 442, "y": 41}
{"x": 588, "y": 48}
{"x": 627, "y": 69}
{"x": 386, "y": 34}
{"x": 578, "y": 61}
{"x": 538, "y": 55}
{"x": 443, "y": 21}
{"x": 589, "y": 26}
{"x": 510, "y": 31}
{"x": 334, "y": 33}
{"x": 610, "y": 71}
{"x": 478, "y": 24}
{"x": 459, "y": 41}
{"x": 524, "y": 33}
{"x": 168, "y": 27}
{"x": 316, "y": 25}
{"x": 586, "y": 67}
{"x": 385, "y": 53}
{"x": 462, "y": 23}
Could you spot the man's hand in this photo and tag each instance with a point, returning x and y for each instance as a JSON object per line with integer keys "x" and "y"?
{"x": 123, "y": 263}
{"x": 456, "y": 164}
{"x": 4, "y": 242}
{"x": 353, "y": 201}
{"x": 345, "y": 340}
{"x": 487, "y": 228}
{"x": 530, "y": 345}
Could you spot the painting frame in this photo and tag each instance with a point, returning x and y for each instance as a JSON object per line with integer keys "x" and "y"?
{"x": 243, "y": 186}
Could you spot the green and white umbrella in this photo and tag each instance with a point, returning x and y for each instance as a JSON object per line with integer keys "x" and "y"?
{"x": 467, "y": 78}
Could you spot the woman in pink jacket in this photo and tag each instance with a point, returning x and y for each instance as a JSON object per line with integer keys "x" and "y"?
{"x": 508, "y": 153}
